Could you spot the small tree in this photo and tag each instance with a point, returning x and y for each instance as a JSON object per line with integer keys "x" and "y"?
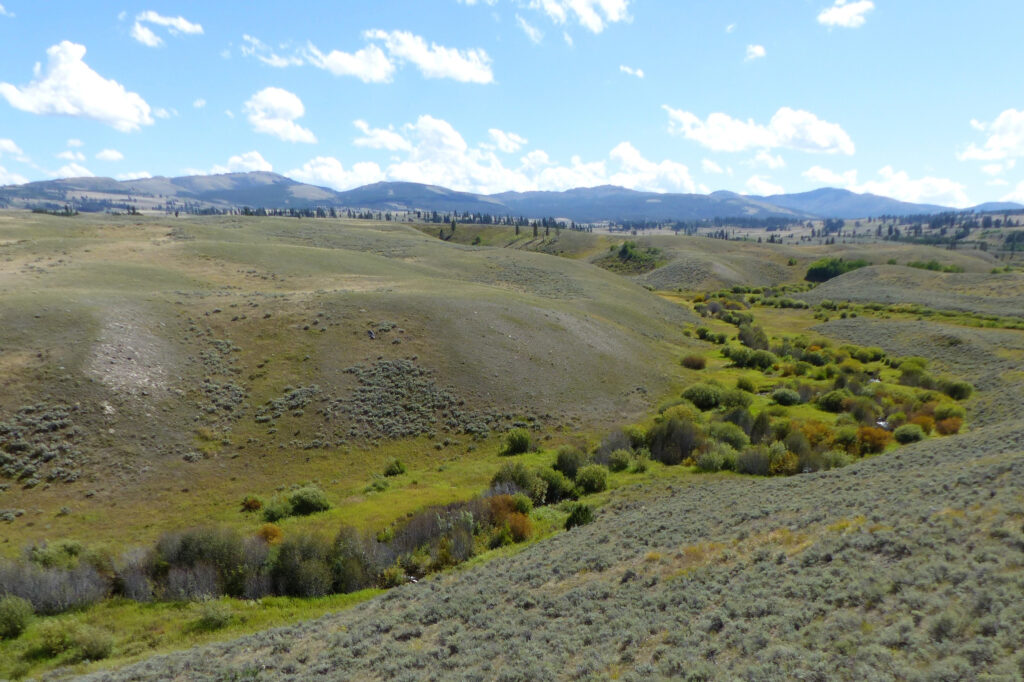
{"x": 579, "y": 514}
{"x": 592, "y": 478}
{"x": 517, "y": 441}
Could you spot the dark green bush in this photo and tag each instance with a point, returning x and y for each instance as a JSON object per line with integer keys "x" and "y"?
{"x": 694, "y": 362}
{"x": 579, "y": 514}
{"x": 559, "y": 486}
{"x": 833, "y": 400}
{"x": 15, "y": 614}
{"x": 277, "y": 509}
{"x": 394, "y": 468}
{"x": 908, "y": 433}
{"x": 730, "y": 434}
{"x": 301, "y": 567}
{"x": 754, "y": 461}
{"x": 745, "y": 384}
{"x": 527, "y": 481}
{"x": 592, "y": 478}
{"x": 704, "y": 396}
{"x": 569, "y": 460}
{"x": 786, "y": 396}
{"x": 523, "y": 504}
{"x": 517, "y": 442}
{"x": 673, "y": 440}
{"x": 827, "y": 268}
{"x": 735, "y": 398}
{"x": 947, "y": 410}
{"x": 308, "y": 500}
{"x": 761, "y": 359}
{"x": 957, "y": 390}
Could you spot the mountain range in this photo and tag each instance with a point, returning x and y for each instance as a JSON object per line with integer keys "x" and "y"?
{"x": 593, "y": 204}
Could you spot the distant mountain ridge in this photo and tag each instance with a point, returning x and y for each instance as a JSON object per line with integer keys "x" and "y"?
{"x": 585, "y": 204}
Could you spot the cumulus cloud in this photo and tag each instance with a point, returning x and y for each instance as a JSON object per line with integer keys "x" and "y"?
{"x": 273, "y": 111}
{"x": 5, "y": 13}
{"x": 758, "y": 184}
{"x": 709, "y": 166}
{"x": 199, "y": 103}
{"x": 242, "y": 163}
{"x": 11, "y": 178}
{"x": 765, "y": 158}
{"x": 506, "y": 142}
{"x": 994, "y": 169}
{"x": 69, "y": 155}
{"x": 174, "y": 25}
{"x": 369, "y": 64}
{"x": 1005, "y": 138}
{"x": 72, "y": 170}
{"x": 532, "y": 32}
{"x": 593, "y": 15}
{"x": 755, "y": 52}
{"x": 1016, "y": 195}
{"x": 789, "y": 128}
{"x": 110, "y": 155}
{"x": 436, "y": 61}
{"x": 74, "y": 142}
{"x": 254, "y": 47}
{"x": 846, "y": 14}
{"x": 897, "y": 185}
{"x": 69, "y": 87}
{"x": 639, "y": 73}
{"x": 380, "y": 138}
{"x": 432, "y": 151}
{"x": 137, "y": 175}
{"x": 7, "y": 146}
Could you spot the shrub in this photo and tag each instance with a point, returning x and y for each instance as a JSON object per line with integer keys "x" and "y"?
{"x": 741, "y": 417}
{"x": 517, "y": 441}
{"x": 522, "y": 503}
{"x": 301, "y": 567}
{"x": 213, "y": 615}
{"x": 641, "y": 461}
{"x": 730, "y": 434}
{"x": 949, "y": 426}
{"x": 394, "y": 468}
{"x": 957, "y": 390}
{"x": 308, "y": 500}
{"x": 733, "y": 398}
{"x": 704, "y": 396}
{"x": 872, "y": 439}
{"x": 559, "y": 486}
{"x": 745, "y": 384}
{"x": 270, "y": 533}
{"x": 694, "y": 362}
{"x": 277, "y": 509}
{"x": 592, "y": 478}
{"x": 15, "y": 614}
{"x": 251, "y": 503}
{"x": 619, "y": 460}
{"x": 718, "y": 457}
{"x": 520, "y": 526}
{"x": 569, "y": 460}
{"x": 673, "y": 440}
{"x": 835, "y": 459}
{"x": 908, "y": 433}
{"x": 761, "y": 359}
{"x": 947, "y": 410}
{"x": 924, "y": 421}
{"x": 579, "y": 515}
{"x": 753, "y": 461}
{"x": 833, "y": 400}
{"x": 786, "y": 397}
{"x": 827, "y": 268}
{"x": 521, "y": 479}
{"x": 91, "y": 644}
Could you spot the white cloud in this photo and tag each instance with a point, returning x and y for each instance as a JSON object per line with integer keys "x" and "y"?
{"x": 69, "y": 155}
{"x": 110, "y": 155}
{"x": 998, "y": 168}
{"x": 1016, "y": 195}
{"x": 636, "y": 172}
{"x": 160, "y": 112}
{"x": 438, "y": 154}
{"x": 380, "y": 138}
{"x": 73, "y": 170}
{"x": 369, "y": 64}
{"x": 73, "y": 142}
{"x": 730, "y": 28}
{"x": 328, "y": 171}
{"x": 8, "y": 147}
{"x": 199, "y": 103}
{"x": 137, "y": 175}
{"x": 436, "y": 61}
{"x": 755, "y": 52}
{"x": 709, "y": 166}
{"x": 567, "y": 38}
{"x": 5, "y": 13}
{"x": 846, "y": 14}
{"x": 243, "y": 163}
{"x": 897, "y": 185}
{"x": 532, "y": 32}
{"x": 764, "y": 158}
{"x": 824, "y": 176}
{"x": 229, "y": 113}
{"x": 594, "y": 15}
{"x": 253, "y": 47}
{"x": 273, "y": 111}
{"x": 507, "y": 142}
{"x": 790, "y": 128}
{"x": 68, "y": 86}
{"x": 639, "y": 73}
{"x": 758, "y": 184}
{"x": 174, "y": 25}
{"x": 11, "y": 178}
{"x": 1005, "y": 138}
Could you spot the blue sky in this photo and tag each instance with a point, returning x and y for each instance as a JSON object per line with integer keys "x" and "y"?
{"x": 922, "y": 101}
